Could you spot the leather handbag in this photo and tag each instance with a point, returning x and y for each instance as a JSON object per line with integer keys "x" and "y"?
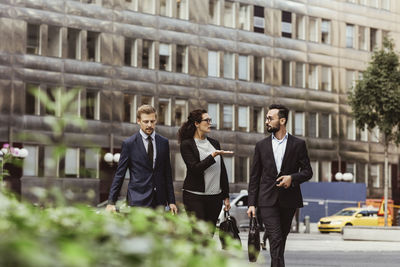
{"x": 228, "y": 227}
{"x": 253, "y": 240}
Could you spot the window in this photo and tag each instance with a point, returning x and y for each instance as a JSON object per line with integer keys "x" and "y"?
{"x": 33, "y": 39}
{"x": 351, "y": 129}
{"x": 349, "y": 36}
{"x": 31, "y": 162}
{"x": 129, "y": 108}
{"x": 243, "y": 118}
{"x": 131, "y": 4}
{"x": 92, "y": 105}
{"x": 74, "y": 43}
{"x": 148, "y": 54}
{"x": 374, "y": 3}
{"x": 32, "y": 105}
{"x": 313, "y": 125}
{"x": 286, "y": 73}
{"x": 182, "y": 59}
{"x": 244, "y": 68}
{"x": 228, "y": 117}
{"x": 373, "y": 39}
{"x": 130, "y": 58}
{"x": 147, "y": 100}
{"x": 213, "y": 12}
{"x": 386, "y": 4}
{"x": 182, "y": 9}
{"x": 244, "y": 17}
{"x": 259, "y": 20}
{"x": 258, "y": 120}
{"x": 375, "y": 135}
{"x": 213, "y": 111}
{"x": 213, "y": 64}
{"x": 229, "y": 65}
{"x": 300, "y": 72}
{"x": 326, "y": 78}
{"x": 91, "y": 163}
{"x": 351, "y": 168}
{"x": 259, "y": 69}
{"x": 289, "y": 124}
{"x": 299, "y": 123}
{"x": 180, "y": 111}
{"x": 313, "y": 77}
{"x": 350, "y": 79}
{"x": 326, "y": 174}
{"x": 71, "y": 162}
{"x": 325, "y": 126}
{"x": 300, "y": 27}
{"x": 53, "y": 41}
{"x": 286, "y": 24}
{"x": 165, "y": 57}
{"x": 229, "y": 14}
{"x": 364, "y": 134}
{"x": 314, "y": 167}
{"x": 375, "y": 175}
{"x": 362, "y": 38}
{"x": 180, "y": 167}
{"x": 243, "y": 170}
{"x": 93, "y": 46}
{"x": 50, "y": 162}
{"x": 74, "y": 108}
{"x": 230, "y": 170}
{"x": 326, "y": 31}
{"x": 164, "y": 111}
{"x": 148, "y": 6}
{"x": 313, "y": 30}
{"x": 166, "y": 8}
{"x": 53, "y": 95}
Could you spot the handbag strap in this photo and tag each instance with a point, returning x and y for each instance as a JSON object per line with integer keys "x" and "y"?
{"x": 226, "y": 214}
{"x": 253, "y": 221}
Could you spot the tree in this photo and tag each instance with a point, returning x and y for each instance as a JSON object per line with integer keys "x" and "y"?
{"x": 375, "y": 100}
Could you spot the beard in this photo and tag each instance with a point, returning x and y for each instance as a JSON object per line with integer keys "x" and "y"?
{"x": 272, "y": 129}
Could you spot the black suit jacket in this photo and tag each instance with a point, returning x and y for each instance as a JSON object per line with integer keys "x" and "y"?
{"x": 145, "y": 182}
{"x": 262, "y": 187}
{"x": 194, "y": 180}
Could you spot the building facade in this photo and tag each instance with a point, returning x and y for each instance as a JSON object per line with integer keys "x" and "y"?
{"x": 233, "y": 58}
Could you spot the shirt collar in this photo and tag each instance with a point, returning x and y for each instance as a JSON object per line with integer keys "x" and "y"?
{"x": 145, "y": 136}
{"x": 279, "y": 141}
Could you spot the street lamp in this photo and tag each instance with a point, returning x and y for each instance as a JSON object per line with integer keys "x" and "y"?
{"x": 345, "y": 177}
{"x": 111, "y": 158}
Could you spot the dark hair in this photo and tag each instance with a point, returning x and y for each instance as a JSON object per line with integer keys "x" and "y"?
{"x": 283, "y": 111}
{"x": 188, "y": 129}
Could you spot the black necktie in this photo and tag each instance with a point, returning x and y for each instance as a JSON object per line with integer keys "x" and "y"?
{"x": 150, "y": 150}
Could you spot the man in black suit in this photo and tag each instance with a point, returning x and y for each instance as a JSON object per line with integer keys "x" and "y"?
{"x": 280, "y": 165}
{"x": 146, "y": 155}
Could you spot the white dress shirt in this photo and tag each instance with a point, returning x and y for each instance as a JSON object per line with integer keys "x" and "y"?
{"x": 146, "y": 143}
{"x": 279, "y": 147}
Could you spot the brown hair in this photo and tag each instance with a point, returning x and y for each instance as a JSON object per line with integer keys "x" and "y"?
{"x": 145, "y": 109}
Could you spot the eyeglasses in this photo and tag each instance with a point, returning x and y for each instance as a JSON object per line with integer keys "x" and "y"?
{"x": 208, "y": 120}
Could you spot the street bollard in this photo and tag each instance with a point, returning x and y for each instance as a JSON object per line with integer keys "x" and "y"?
{"x": 307, "y": 224}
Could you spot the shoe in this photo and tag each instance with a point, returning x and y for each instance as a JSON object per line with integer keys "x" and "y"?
{"x": 263, "y": 246}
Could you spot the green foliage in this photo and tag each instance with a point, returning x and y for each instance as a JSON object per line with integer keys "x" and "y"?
{"x": 375, "y": 100}
{"x": 80, "y": 237}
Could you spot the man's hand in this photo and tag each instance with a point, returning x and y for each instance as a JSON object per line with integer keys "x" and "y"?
{"x": 227, "y": 204}
{"x": 173, "y": 208}
{"x": 111, "y": 208}
{"x": 251, "y": 211}
{"x": 284, "y": 181}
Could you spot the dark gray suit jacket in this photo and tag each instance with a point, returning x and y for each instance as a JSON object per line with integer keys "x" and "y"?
{"x": 262, "y": 187}
{"x": 145, "y": 183}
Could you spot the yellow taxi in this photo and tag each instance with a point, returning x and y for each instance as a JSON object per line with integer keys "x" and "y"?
{"x": 350, "y": 217}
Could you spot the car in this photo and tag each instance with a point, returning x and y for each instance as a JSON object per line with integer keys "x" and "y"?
{"x": 238, "y": 209}
{"x": 352, "y": 216}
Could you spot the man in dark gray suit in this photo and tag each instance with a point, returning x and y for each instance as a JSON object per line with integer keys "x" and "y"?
{"x": 280, "y": 165}
{"x": 146, "y": 155}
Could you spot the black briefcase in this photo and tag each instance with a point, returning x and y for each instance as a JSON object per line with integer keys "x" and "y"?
{"x": 254, "y": 240}
{"x": 228, "y": 227}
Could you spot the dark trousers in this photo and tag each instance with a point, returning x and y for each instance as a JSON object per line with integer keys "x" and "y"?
{"x": 277, "y": 221}
{"x": 204, "y": 207}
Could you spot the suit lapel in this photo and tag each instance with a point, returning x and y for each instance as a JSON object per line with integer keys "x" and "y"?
{"x": 158, "y": 149}
{"x": 270, "y": 152}
{"x": 289, "y": 144}
{"x": 142, "y": 149}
